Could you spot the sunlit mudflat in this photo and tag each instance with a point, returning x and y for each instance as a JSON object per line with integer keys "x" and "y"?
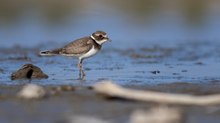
{"x": 189, "y": 62}
{"x": 169, "y": 46}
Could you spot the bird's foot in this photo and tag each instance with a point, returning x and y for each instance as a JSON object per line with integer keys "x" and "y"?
{"x": 81, "y": 78}
{"x": 81, "y": 75}
{"x": 81, "y": 72}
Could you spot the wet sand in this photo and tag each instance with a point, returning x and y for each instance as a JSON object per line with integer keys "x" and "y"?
{"x": 191, "y": 68}
{"x": 83, "y": 102}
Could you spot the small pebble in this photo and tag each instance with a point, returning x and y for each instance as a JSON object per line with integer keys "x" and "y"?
{"x": 32, "y": 91}
{"x": 58, "y": 89}
{"x": 63, "y": 88}
{"x": 199, "y": 63}
{"x": 176, "y": 74}
{"x": 184, "y": 71}
{"x": 85, "y": 119}
{"x": 157, "y": 115}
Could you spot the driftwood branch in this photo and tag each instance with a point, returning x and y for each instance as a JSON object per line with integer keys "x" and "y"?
{"x": 112, "y": 90}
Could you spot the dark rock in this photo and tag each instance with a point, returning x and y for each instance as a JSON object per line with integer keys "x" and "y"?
{"x": 63, "y": 88}
{"x": 184, "y": 71}
{"x": 199, "y": 63}
{"x": 1, "y": 70}
{"x": 176, "y": 74}
{"x": 155, "y": 72}
{"x": 29, "y": 71}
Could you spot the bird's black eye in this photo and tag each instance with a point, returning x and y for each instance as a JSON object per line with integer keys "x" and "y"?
{"x": 100, "y": 36}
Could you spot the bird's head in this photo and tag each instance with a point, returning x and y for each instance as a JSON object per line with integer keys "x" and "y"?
{"x": 100, "y": 37}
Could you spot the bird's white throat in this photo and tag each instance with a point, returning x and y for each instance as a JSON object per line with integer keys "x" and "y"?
{"x": 99, "y": 42}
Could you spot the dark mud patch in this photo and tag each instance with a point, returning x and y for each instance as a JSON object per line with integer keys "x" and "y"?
{"x": 155, "y": 72}
{"x": 148, "y": 53}
{"x": 24, "y": 58}
{"x": 182, "y": 52}
{"x": 1, "y": 71}
{"x": 190, "y": 88}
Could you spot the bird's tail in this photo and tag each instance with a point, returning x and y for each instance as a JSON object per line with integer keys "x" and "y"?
{"x": 50, "y": 53}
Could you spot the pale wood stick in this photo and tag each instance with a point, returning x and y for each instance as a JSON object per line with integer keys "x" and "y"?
{"x": 112, "y": 90}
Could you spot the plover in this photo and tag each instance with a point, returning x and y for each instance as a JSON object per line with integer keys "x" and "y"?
{"x": 81, "y": 48}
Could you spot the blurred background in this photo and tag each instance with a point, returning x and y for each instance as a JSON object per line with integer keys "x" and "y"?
{"x": 165, "y": 22}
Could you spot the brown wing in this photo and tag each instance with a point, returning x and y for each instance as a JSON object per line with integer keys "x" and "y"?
{"x": 78, "y": 47}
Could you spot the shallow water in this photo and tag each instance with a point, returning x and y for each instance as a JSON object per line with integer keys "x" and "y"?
{"x": 190, "y": 62}
{"x": 186, "y": 34}
{"x": 178, "y": 38}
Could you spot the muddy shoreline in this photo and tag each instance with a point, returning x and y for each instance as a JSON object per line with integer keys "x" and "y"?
{"x": 84, "y": 102}
{"x": 185, "y": 68}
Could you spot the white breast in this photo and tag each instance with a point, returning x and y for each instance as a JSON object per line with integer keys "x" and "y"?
{"x": 91, "y": 52}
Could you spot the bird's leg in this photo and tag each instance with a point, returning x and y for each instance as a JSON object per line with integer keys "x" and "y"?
{"x": 81, "y": 72}
{"x": 80, "y": 67}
